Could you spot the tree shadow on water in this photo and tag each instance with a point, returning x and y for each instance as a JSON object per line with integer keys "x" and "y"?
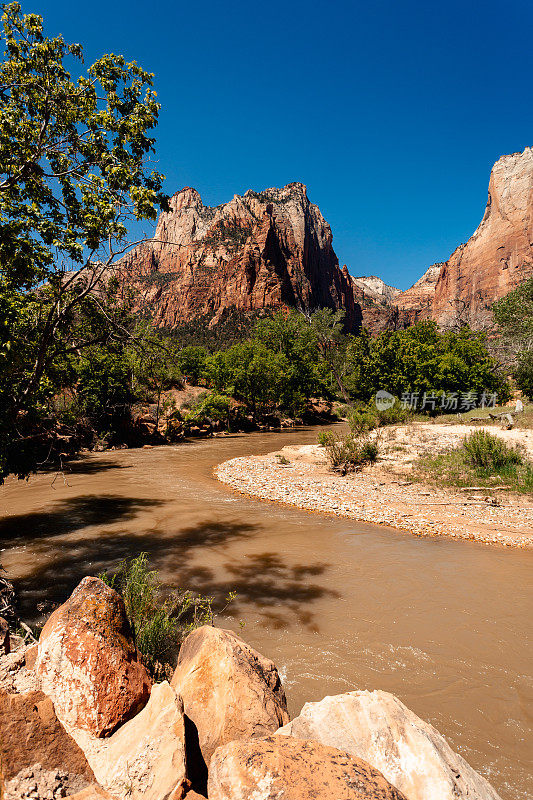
{"x": 281, "y": 592}
{"x": 67, "y": 516}
{"x": 58, "y": 566}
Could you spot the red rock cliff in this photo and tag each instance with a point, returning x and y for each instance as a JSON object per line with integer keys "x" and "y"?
{"x": 270, "y": 248}
{"x": 497, "y": 258}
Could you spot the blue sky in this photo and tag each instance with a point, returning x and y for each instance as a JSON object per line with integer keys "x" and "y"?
{"x": 391, "y": 112}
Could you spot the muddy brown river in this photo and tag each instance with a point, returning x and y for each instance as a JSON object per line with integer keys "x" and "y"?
{"x": 338, "y": 605}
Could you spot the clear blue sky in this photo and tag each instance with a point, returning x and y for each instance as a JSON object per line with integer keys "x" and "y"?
{"x": 391, "y": 112}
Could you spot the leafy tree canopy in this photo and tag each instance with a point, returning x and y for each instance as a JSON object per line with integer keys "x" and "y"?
{"x": 421, "y": 359}
{"x": 74, "y": 171}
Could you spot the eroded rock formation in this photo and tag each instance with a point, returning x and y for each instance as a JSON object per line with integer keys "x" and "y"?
{"x": 270, "y": 248}
{"x": 496, "y": 259}
{"x": 417, "y": 302}
{"x": 378, "y": 728}
{"x": 229, "y": 690}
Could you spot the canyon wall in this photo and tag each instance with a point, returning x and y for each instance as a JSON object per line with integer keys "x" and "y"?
{"x": 496, "y": 259}
{"x": 274, "y": 249}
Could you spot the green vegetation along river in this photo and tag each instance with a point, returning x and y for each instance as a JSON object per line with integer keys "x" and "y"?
{"x": 336, "y": 604}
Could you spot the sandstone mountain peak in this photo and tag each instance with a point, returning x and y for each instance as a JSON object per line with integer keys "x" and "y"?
{"x": 262, "y": 249}
{"x": 376, "y": 288}
{"x": 498, "y": 257}
{"x": 273, "y": 248}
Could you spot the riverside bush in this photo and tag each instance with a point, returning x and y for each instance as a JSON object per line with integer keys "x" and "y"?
{"x": 159, "y": 625}
{"x": 524, "y": 373}
{"x": 211, "y": 407}
{"x": 486, "y": 451}
{"x": 482, "y": 459}
{"x": 346, "y": 452}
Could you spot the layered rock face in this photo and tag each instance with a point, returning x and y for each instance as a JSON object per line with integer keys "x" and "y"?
{"x": 417, "y": 302}
{"x": 378, "y": 304}
{"x": 496, "y": 259}
{"x": 499, "y": 255}
{"x": 270, "y": 248}
{"x": 376, "y": 289}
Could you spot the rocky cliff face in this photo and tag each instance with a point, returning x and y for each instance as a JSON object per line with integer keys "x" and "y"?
{"x": 417, "y": 302}
{"x": 270, "y": 248}
{"x": 274, "y": 248}
{"x": 498, "y": 257}
{"x": 376, "y": 289}
{"x": 378, "y": 304}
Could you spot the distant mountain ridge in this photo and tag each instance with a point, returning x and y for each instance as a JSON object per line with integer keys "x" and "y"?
{"x": 273, "y": 249}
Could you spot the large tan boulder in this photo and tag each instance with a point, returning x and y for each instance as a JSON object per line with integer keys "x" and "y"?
{"x": 145, "y": 758}
{"x": 92, "y": 792}
{"x": 30, "y": 734}
{"x": 87, "y": 661}
{"x": 378, "y": 728}
{"x": 284, "y": 768}
{"x": 229, "y": 690}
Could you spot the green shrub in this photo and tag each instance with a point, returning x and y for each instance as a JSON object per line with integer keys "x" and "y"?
{"x": 395, "y": 415}
{"x": 370, "y": 452}
{"x": 362, "y": 420}
{"x": 486, "y": 451}
{"x": 159, "y": 625}
{"x": 346, "y": 452}
{"x": 481, "y": 459}
{"x": 212, "y": 407}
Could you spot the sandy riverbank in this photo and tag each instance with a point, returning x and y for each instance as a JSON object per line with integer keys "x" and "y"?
{"x": 386, "y": 493}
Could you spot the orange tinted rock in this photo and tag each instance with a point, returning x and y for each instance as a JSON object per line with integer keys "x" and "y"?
{"x": 283, "y": 767}
{"x": 87, "y": 661}
{"x": 417, "y": 302}
{"x": 229, "y": 690}
{"x": 264, "y": 249}
{"x": 92, "y": 792}
{"x": 497, "y": 258}
{"x": 410, "y": 753}
{"x": 32, "y": 734}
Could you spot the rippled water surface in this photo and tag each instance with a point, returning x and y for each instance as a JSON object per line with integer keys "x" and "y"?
{"x": 337, "y": 605}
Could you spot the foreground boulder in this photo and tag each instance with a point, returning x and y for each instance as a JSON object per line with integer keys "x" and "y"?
{"x": 92, "y": 792}
{"x": 282, "y": 767}
{"x": 145, "y": 758}
{"x": 34, "y": 747}
{"x": 229, "y": 690}
{"x": 378, "y": 728}
{"x": 88, "y": 663}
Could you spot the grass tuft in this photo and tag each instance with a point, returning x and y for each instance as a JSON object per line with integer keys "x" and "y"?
{"x": 482, "y": 459}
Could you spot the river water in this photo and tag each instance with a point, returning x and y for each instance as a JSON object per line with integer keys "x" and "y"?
{"x": 338, "y": 605}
